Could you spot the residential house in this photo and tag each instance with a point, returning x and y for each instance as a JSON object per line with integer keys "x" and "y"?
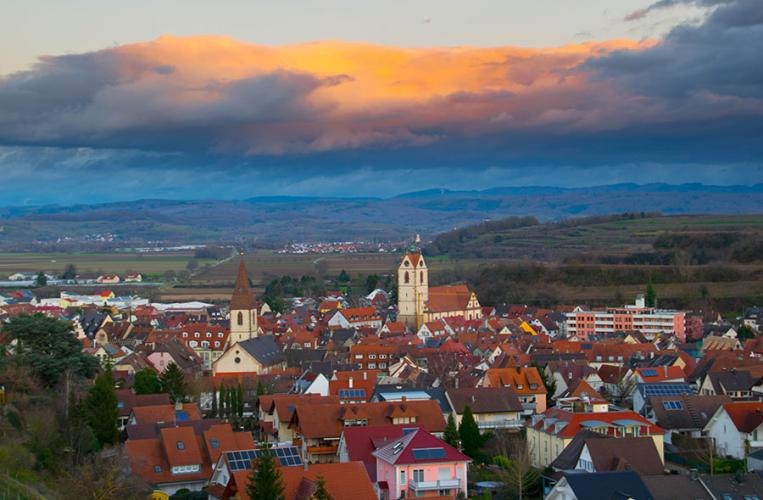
{"x": 551, "y": 432}
{"x": 526, "y": 383}
{"x": 357, "y": 444}
{"x": 373, "y": 356}
{"x": 736, "y": 428}
{"x": 685, "y": 414}
{"x": 319, "y": 427}
{"x": 420, "y": 464}
{"x": 643, "y": 392}
{"x": 356, "y": 317}
{"x": 600, "y": 485}
{"x": 493, "y": 407}
{"x": 593, "y": 452}
{"x": 343, "y": 481}
{"x": 178, "y": 457}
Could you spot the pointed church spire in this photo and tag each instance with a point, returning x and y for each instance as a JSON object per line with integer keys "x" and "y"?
{"x": 243, "y": 298}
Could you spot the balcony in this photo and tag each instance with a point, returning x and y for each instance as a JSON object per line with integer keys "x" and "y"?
{"x": 442, "y": 484}
{"x": 322, "y": 450}
{"x": 501, "y": 424}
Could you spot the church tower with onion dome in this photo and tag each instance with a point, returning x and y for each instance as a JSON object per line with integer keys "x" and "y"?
{"x": 243, "y": 308}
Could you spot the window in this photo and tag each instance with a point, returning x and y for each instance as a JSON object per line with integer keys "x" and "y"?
{"x": 402, "y": 477}
{"x": 371, "y": 366}
{"x": 372, "y": 356}
{"x": 217, "y": 343}
{"x": 185, "y": 335}
{"x": 209, "y": 335}
{"x": 421, "y": 276}
{"x": 220, "y": 335}
{"x": 180, "y": 445}
{"x": 407, "y": 278}
{"x": 240, "y": 318}
{"x": 158, "y": 469}
{"x": 382, "y": 365}
{"x": 418, "y": 475}
{"x": 382, "y": 356}
{"x": 215, "y": 443}
{"x": 205, "y": 344}
{"x": 197, "y": 335}
{"x": 358, "y": 356}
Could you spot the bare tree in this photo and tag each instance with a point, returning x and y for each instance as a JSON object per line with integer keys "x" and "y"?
{"x": 515, "y": 465}
{"x": 103, "y": 476}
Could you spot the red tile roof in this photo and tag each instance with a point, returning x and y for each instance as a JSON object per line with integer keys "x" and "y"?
{"x": 747, "y": 416}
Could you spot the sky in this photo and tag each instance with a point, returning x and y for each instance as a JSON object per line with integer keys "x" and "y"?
{"x": 232, "y": 99}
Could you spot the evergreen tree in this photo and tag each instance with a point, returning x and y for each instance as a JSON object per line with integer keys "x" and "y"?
{"x": 260, "y": 388}
{"x": 102, "y": 410}
{"x": 48, "y": 347}
{"x": 41, "y": 279}
{"x": 549, "y": 383}
{"x": 233, "y": 402}
{"x": 80, "y": 438}
{"x": 70, "y": 272}
{"x": 172, "y": 381}
{"x": 650, "y": 298}
{"x": 240, "y": 401}
{"x": 265, "y": 479}
{"x": 147, "y": 382}
{"x": 214, "y": 402}
{"x": 372, "y": 282}
{"x": 469, "y": 432}
{"x": 223, "y": 396}
{"x": 343, "y": 277}
{"x": 451, "y": 432}
{"x": 321, "y": 493}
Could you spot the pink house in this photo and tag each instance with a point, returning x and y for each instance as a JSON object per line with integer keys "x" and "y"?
{"x": 419, "y": 464}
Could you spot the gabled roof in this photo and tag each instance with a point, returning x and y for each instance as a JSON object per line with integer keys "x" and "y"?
{"x": 573, "y": 422}
{"x": 264, "y": 349}
{"x": 327, "y": 420}
{"x": 685, "y": 411}
{"x": 608, "y": 485}
{"x": 180, "y": 446}
{"x": 485, "y": 399}
{"x": 414, "y": 448}
{"x": 361, "y": 442}
{"x": 344, "y": 481}
{"x": 165, "y": 413}
{"x": 747, "y": 416}
{"x": 526, "y": 380}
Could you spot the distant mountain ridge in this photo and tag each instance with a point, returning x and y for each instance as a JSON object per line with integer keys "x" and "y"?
{"x": 274, "y": 220}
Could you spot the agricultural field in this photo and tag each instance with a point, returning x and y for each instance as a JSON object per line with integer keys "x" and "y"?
{"x": 265, "y": 265}
{"x": 93, "y": 264}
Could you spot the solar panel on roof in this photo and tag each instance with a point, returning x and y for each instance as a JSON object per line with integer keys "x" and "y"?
{"x": 240, "y": 460}
{"x": 427, "y": 453}
{"x": 649, "y": 373}
{"x": 673, "y": 405}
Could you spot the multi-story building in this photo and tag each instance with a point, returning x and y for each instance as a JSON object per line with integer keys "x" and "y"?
{"x": 552, "y": 431}
{"x": 373, "y": 356}
{"x": 583, "y": 323}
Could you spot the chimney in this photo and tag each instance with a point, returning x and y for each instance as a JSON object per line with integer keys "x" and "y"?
{"x": 179, "y": 406}
{"x": 665, "y": 370}
{"x": 404, "y": 399}
{"x": 365, "y": 375}
{"x": 350, "y": 382}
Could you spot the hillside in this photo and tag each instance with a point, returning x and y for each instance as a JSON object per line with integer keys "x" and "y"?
{"x": 269, "y": 221}
{"x": 637, "y": 238}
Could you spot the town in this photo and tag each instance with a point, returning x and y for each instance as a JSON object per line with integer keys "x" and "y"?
{"x": 416, "y": 390}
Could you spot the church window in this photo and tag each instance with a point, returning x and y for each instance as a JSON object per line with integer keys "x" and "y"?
{"x": 421, "y": 276}
{"x": 407, "y": 277}
{"x": 240, "y": 319}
